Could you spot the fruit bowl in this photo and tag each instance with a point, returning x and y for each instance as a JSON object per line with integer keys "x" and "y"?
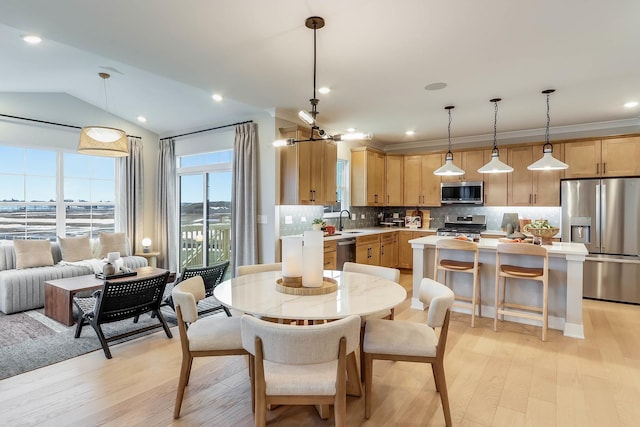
{"x": 545, "y": 233}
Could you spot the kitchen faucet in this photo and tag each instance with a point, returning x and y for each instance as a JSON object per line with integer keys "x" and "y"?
{"x": 340, "y": 220}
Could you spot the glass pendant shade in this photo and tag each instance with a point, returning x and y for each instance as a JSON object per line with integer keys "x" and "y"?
{"x": 103, "y": 141}
{"x": 547, "y": 162}
{"x": 495, "y": 165}
{"x": 448, "y": 169}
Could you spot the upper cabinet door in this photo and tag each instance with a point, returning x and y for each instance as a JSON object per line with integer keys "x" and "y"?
{"x": 620, "y": 157}
{"x": 367, "y": 177}
{"x": 430, "y": 182}
{"x": 330, "y": 188}
{"x": 583, "y": 158}
{"x": 472, "y": 161}
{"x": 412, "y": 189}
{"x": 393, "y": 180}
{"x": 520, "y": 190}
{"x": 495, "y": 184}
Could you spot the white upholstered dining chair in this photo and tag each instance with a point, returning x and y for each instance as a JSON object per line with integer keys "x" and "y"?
{"x": 300, "y": 365}
{"x": 392, "y": 274}
{"x": 207, "y": 336}
{"x": 412, "y": 341}
{"x": 258, "y": 268}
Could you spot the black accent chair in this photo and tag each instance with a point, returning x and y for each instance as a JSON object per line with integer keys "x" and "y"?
{"x": 122, "y": 300}
{"x": 212, "y": 277}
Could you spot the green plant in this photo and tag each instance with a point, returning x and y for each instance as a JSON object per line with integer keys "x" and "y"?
{"x": 317, "y": 221}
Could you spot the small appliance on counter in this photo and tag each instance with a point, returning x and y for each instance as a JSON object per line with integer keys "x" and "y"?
{"x": 392, "y": 221}
{"x": 470, "y": 226}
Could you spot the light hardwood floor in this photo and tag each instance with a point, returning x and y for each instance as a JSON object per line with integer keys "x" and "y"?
{"x": 509, "y": 378}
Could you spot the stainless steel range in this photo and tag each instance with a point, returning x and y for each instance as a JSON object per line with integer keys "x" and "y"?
{"x": 469, "y": 225}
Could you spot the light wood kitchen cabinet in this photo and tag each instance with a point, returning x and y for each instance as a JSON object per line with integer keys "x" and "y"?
{"x": 330, "y": 255}
{"x": 393, "y": 180}
{"x": 602, "y": 158}
{"x": 405, "y": 252}
{"x": 469, "y": 162}
{"x": 495, "y": 184}
{"x": 389, "y": 249}
{"x": 307, "y": 170}
{"x": 368, "y": 249}
{"x": 367, "y": 177}
{"x": 532, "y": 188}
{"x": 421, "y": 186}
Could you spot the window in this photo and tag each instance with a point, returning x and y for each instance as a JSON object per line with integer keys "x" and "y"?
{"x": 48, "y": 192}
{"x": 204, "y": 181}
{"x": 342, "y": 189}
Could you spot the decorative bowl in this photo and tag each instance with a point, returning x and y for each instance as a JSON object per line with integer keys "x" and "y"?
{"x": 545, "y": 233}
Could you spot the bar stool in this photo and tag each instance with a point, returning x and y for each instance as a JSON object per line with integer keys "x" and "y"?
{"x": 504, "y": 271}
{"x": 456, "y": 266}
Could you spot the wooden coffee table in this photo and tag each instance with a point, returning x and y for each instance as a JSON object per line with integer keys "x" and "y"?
{"x": 58, "y": 294}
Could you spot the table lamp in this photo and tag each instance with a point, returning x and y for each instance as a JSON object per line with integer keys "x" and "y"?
{"x": 146, "y": 245}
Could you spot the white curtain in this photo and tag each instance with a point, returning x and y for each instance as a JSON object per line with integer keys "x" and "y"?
{"x": 130, "y": 193}
{"x": 166, "y": 207}
{"x": 244, "y": 196}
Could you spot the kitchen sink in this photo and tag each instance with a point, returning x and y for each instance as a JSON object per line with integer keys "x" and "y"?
{"x": 350, "y": 232}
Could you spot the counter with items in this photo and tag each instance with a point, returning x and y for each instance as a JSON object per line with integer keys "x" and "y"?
{"x": 565, "y": 281}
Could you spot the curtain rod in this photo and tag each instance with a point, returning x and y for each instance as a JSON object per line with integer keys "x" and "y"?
{"x": 53, "y": 123}
{"x": 207, "y": 130}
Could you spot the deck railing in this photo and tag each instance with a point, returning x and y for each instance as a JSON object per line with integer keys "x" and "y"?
{"x": 193, "y": 242}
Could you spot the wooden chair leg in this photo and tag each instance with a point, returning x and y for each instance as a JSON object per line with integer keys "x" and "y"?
{"x": 368, "y": 382}
{"x": 435, "y": 377}
{"x": 182, "y": 383}
{"x": 545, "y": 310}
{"x": 479, "y": 295}
{"x": 496, "y": 304}
{"x": 103, "y": 340}
{"x": 474, "y": 301}
{"x": 362, "y": 352}
{"x": 444, "y": 397}
{"x": 79, "y": 325}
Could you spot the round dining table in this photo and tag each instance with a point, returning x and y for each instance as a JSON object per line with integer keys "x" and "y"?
{"x": 357, "y": 293}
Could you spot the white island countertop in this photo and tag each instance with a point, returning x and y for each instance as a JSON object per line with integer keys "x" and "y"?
{"x": 565, "y": 280}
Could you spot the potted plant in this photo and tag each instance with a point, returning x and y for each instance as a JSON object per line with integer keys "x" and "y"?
{"x": 317, "y": 224}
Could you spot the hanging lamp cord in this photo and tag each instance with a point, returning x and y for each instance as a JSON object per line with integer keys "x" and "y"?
{"x": 449, "y": 131}
{"x": 547, "y": 144}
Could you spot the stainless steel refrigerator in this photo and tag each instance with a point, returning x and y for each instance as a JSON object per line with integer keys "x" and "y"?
{"x": 604, "y": 214}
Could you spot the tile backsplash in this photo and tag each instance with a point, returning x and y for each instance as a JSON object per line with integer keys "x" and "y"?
{"x": 493, "y": 213}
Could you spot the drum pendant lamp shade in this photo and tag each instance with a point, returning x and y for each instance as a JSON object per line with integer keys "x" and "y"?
{"x": 103, "y": 141}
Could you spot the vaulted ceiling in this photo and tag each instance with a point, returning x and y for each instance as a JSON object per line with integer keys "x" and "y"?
{"x": 168, "y": 57}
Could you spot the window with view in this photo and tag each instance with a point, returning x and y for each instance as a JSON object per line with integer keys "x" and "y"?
{"x": 342, "y": 189}
{"x": 47, "y": 192}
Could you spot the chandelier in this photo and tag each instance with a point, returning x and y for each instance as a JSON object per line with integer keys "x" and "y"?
{"x": 448, "y": 169}
{"x": 309, "y": 117}
{"x": 547, "y": 162}
{"x": 495, "y": 165}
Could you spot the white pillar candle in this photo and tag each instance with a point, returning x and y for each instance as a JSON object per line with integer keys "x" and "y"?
{"x": 292, "y": 256}
{"x": 313, "y": 259}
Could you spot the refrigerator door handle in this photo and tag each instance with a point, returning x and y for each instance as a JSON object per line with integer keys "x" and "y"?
{"x": 598, "y": 222}
{"x": 603, "y": 216}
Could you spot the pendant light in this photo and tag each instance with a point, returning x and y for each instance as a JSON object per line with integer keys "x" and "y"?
{"x": 547, "y": 162}
{"x": 448, "y": 169}
{"x": 495, "y": 165}
{"x": 101, "y": 140}
{"x": 309, "y": 117}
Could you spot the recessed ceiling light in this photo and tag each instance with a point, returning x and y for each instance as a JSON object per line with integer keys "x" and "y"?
{"x": 410, "y": 132}
{"x": 631, "y": 104}
{"x": 142, "y": 119}
{"x": 216, "y": 97}
{"x": 435, "y": 86}
{"x": 351, "y": 130}
{"x": 32, "y": 39}
{"x": 324, "y": 90}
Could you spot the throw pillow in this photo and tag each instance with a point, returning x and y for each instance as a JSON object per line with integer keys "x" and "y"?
{"x": 75, "y": 248}
{"x": 32, "y": 253}
{"x": 113, "y": 242}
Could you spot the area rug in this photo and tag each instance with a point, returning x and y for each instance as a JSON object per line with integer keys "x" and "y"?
{"x": 30, "y": 340}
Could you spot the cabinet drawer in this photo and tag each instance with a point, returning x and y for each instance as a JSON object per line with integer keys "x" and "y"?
{"x": 329, "y": 246}
{"x": 367, "y": 240}
{"x": 388, "y": 237}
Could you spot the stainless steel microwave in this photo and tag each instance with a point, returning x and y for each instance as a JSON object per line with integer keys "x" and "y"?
{"x": 461, "y": 193}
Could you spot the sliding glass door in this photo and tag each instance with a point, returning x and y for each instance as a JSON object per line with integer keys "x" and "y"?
{"x": 205, "y": 213}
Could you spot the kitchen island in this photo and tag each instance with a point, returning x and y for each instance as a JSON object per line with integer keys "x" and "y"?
{"x": 566, "y": 262}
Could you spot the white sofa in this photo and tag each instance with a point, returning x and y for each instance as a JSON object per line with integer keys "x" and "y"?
{"x": 23, "y": 289}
